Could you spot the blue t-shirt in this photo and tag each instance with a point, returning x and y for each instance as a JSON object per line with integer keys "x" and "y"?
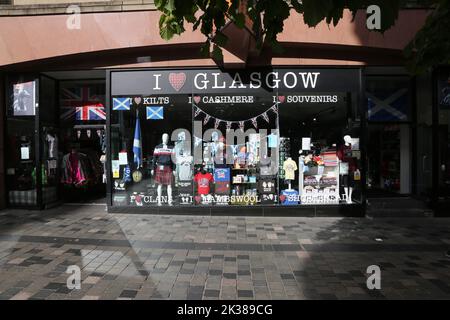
{"x": 289, "y": 197}
{"x": 222, "y": 175}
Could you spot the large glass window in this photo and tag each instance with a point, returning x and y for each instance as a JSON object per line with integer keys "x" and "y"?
{"x": 201, "y": 147}
{"x": 22, "y": 93}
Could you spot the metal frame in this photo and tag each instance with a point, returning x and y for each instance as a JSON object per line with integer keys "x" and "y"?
{"x": 260, "y": 210}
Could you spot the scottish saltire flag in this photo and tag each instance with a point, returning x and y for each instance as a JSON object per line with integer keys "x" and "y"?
{"x": 121, "y": 104}
{"x": 83, "y": 102}
{"x": 85, "y": 113}
{"x": 137, "y": 143}
{"x": 388, "y": 106}
{"x": 155, "y": 113}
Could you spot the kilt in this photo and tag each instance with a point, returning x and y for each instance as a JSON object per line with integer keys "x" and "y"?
{"x": 163, "y": 176}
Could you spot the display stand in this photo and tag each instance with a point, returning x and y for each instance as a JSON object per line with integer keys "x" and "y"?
{"x": 320, "y": 192}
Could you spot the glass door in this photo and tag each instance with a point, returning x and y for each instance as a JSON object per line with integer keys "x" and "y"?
{"x": 444, "y": 136}
{"x": 389, "y": 152}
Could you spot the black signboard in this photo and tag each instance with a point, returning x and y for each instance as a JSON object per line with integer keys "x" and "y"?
{"x": 198, "y": 81}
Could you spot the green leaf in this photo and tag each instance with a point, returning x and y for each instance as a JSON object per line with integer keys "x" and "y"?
{"x": 170, "y": 5}
{"x": 217, "y": 53}
{"x": 220, "y": 39}
{"x": 239, "y": 20}
{"x": 204, "y": 50}
{"x": 159, "y": 4}
{"x": 166, "y": 32}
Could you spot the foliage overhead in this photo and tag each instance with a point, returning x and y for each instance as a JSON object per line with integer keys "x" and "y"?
{"x": 429, "y": 48}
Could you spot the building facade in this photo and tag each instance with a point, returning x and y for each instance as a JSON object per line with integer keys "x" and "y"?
{"x": 332, "y": 126}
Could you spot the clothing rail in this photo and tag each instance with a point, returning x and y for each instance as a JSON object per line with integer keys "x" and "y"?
{"x": 89, "y": 126}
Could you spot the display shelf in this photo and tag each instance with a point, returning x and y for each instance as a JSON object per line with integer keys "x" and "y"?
{"x": 244, "y": 182}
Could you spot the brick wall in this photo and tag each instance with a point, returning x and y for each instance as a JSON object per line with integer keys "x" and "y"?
{"x": 38, "y": 7}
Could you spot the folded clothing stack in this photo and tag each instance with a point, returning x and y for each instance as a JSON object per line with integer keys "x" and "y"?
{"x": 330, "y": 159}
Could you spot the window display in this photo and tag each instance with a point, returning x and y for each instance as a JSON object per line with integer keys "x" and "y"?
{"x": 235, "y": 149}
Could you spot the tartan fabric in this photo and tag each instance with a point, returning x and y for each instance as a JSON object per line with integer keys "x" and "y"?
{"x": 29, "y": 197}
{"x": 163, "y": 176}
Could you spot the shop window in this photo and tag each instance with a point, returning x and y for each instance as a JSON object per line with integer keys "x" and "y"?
{"x": 210, "y": 138}
{"x": 320, "y": 157}
{"x": 151, "y": 158}
{"x": 22, "y": 93}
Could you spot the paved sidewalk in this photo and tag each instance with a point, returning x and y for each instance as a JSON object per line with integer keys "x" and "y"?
{"x": 126, "y": 256}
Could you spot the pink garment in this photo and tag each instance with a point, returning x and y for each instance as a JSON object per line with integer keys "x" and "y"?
{"x": 74, "y": 171}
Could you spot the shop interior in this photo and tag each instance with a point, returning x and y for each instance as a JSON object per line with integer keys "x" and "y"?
{"x": 62, "y": 132}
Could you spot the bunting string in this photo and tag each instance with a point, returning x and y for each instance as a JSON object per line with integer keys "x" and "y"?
{"x": 240, "y": 123}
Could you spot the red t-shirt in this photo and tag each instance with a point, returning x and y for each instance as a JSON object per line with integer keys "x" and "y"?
{"x": 203, "y": 181}
{"x": 344, "y": 154}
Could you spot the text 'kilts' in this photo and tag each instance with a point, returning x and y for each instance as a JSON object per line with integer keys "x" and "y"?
{"x": 163, "y": 175}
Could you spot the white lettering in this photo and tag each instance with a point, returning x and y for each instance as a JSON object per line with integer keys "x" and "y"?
{"x": 309, "y": 79}
{"x": 276, "y": 81}
{"x": 255, "y": 78}
{"x": 285, "y": 80}
{"x": 216, "y": 80}
{"x": 157, "y": 76}
{"x": 237, "y": 79}
{"x": 204, "y": 81}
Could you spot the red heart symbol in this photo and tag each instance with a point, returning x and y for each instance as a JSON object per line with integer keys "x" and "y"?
{"x": 137, "y": 100}
{"x": 282, "y": 198}
{"x": 196, "y": 99}
{"x": 281, "y": 99}
{"x": 197, "y": 199}
{"x": 177, "y": 80}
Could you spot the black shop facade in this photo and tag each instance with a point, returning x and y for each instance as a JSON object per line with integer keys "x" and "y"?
{"x": 280, "y": 141}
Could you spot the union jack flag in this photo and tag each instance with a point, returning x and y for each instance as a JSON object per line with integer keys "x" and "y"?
{"x": 86, "y": 103}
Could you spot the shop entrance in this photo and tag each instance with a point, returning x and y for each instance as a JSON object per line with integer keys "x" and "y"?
{"x": 389, "y": 147}
{"x": 443, "y": 175}
{"x": 389, "y": 170}
{"x": 81, "y": 136}
{"x": 56, "y": 134}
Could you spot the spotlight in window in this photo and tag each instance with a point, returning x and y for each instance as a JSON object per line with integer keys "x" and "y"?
{"x": 314, "y": 119}
{"x": 303, "y": 124}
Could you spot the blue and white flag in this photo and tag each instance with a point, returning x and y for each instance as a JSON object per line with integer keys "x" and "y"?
{"x": 137, "y": 143}
{"x": 388, "y": 105}
{"x": 155, "y": 113}
{"x": 121, "y": 104}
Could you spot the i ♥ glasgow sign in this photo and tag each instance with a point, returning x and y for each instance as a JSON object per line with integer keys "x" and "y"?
{"x": 198, "y": 81}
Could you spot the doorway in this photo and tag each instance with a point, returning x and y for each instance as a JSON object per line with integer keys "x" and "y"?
{"x": 389, "y": 159}
{"x": 389, "y": 141}
{"x": 75, "y": 136}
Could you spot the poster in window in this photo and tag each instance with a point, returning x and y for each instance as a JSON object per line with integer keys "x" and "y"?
{"x": 24, "y": 97}
{"x": 444, "y": 99}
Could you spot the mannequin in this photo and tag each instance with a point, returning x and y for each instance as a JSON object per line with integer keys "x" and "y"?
{"x": 52, "y": 145}
{"x": 345, "y": 156}
{"x": 163, "y": 168}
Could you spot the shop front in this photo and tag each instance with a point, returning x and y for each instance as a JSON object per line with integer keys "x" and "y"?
{"x": 251, "y": 142}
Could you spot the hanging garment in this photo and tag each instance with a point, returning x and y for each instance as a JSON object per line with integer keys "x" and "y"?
{"x": 74, "y": 169}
